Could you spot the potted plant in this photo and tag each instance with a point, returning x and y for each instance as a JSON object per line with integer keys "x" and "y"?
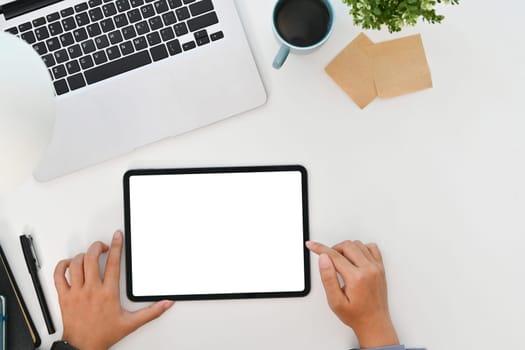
{"x": 394, "y": 14}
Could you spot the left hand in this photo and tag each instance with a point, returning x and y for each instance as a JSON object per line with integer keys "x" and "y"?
{"x": 93, "y": 316}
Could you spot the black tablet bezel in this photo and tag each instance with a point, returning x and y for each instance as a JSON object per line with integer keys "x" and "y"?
{"x": 212, "y": 170}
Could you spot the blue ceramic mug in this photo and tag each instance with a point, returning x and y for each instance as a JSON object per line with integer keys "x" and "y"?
{"x": 301, "y": 26}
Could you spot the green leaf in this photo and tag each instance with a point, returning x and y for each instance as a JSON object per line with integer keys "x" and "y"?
{"x": 394, "y": 14}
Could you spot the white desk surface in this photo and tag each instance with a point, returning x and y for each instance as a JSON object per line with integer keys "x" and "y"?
{"x": 437, "y": 178}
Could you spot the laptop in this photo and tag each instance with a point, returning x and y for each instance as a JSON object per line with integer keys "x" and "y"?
{"x": 128, "y": 73}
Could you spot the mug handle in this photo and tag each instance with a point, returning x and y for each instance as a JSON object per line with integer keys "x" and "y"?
{"x": 281, "y": 56}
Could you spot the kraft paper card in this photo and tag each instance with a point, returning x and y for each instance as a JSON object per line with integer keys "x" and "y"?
{"x": 352, "y": 71}
{"x": 400, "y": 66}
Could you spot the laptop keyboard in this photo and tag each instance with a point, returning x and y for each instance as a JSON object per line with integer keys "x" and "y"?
{"x": 99, "y": 39}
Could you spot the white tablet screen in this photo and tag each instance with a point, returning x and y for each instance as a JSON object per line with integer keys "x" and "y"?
{"x": 216, "y": 233}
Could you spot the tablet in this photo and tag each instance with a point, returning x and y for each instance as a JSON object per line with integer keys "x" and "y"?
{"x": 216, "y": 233}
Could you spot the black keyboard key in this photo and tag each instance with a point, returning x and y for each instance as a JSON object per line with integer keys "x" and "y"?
{"x": 155, "y": 23}
{"x": 93, "y": 30}
{"x": 123, "y": 5}
{"x": 109, "y": 9}
{"x": 67, "y": 12}
{"x": 121, "y": 20}
{"x": 117, "y": 67}
{"x": 80, "y": 34}
{"x": 81, "y": 7}
{"x": 201, "y": 37}
{"x": 113, "y": 52}
{"x": 182, "y": 13}
{"x": 49, "y": 60}
{"x": 107, "y": 25}
{"x": 100, "y": 57}
{"x": 12, "y": 30}
{"x": 39, "y": 22}
{"x": 72, "y": 67}
{"x": 41, "y": 33}
{"x": 129, "y": 32}
{"x": 67, "y": 39}
{"x": 126, "y": 48}
{"x": 201, "y": 7}
{"x": 29, "y": 37}
{"x": 69, "y": 24}
{"x": 88, "y": 46}
{"x": 159, "y": 52}
{"x": 180, "y": 29}
{"x": 169, "y": 18}
{"x": 134, "y": 16}
{"x": 153, "y": 38}
{"x": 40, "y": 48}
{"x": 188, "y": 1}
{"x": 82, "y": 19}
{"x": 140, "y": 43}
{"x": 189, "y": 45}
{"x": 115, "y": 37}
{"x": 147, "y": 11}
{"x": 161, "y": 6}
{"x": 86, "y": 62}
{"x": 55, "y": 16}
{"x": 136, "y": 3}
{"x": 174, "y": 47}
{"x": 74, "y": 51}
{"x": 55, "y": 28}
{"x": 76, "y": 81}
{"x": 203, "y": 21}
{"x": 142, "y": 28}
{"x": 174, "y": 3}
{"x": 200, "y": 34}
{"x": 61, "y": 56}
{"x": 101, "y": 42}
{"x": 59, "y": 71}
{"x": 53, "y": 44}
{"x": 94, "y": 3}
{"x": 167, "y": 34}
{"x": 61, "y": 87}
{"x": 95, "y": 14}
{"x": 203, "y": 41}
{"x": 25, "y": 26}
{"x": 217, "y": 36}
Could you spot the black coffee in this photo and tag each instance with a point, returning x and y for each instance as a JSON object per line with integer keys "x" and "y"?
{"x": 302, "y": 22}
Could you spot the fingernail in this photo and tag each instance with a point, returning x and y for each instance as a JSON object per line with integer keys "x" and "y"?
{"x": 324, "y": 261}
{"x": 309, "y": 244}
{"x": 166, "y": 304}
{"x": 117, "y": 235}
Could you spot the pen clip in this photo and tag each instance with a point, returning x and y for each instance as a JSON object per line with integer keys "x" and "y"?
{"x": 33, "y": 251}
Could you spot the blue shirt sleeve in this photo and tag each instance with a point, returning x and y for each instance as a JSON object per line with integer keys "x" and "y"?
{"x": 394, "y": 347}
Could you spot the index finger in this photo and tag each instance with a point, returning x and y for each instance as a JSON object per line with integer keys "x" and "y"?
{"x": 112, "y": 273}
{"x": 342, "y": 265}
{"x": 91, "y": 262}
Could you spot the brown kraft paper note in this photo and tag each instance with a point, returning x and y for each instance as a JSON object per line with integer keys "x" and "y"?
{"x": 400, "y": 66}
{"x": 352, "y": 71}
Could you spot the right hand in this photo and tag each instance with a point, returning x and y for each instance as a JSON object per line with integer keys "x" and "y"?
{"x": 362, "y": 302}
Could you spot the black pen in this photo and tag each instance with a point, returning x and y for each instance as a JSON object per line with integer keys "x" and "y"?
{"x": 33, "y": 265}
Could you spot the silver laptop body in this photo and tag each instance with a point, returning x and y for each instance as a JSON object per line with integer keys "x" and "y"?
{"x": 168, "y": 97}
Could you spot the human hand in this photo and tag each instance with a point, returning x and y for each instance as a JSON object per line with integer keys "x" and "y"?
{"x": 92, "y": 315}
{"x": 362, "y": 302}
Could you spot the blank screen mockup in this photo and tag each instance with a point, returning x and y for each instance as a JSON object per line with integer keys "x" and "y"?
{"x": 216, "y": 233}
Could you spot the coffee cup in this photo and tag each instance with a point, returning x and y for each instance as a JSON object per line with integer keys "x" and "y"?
{"x": 301, "y": 26}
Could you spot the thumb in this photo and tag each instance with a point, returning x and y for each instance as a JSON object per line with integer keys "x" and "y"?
{"x": 334, "y": 294}
{"x": 141, "y": 317}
